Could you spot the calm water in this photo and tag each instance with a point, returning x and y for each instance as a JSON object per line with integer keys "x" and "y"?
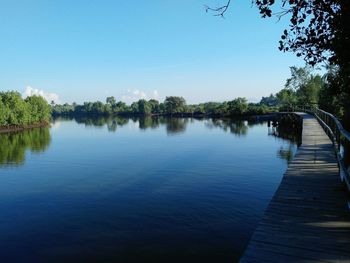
{"x": 136, "y": 190}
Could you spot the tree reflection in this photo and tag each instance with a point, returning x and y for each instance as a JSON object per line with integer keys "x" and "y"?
{"x": 13, "y": 146}
{"x": 112, "y": 126}
{"x": 172, "y": 125}
{"x": 149, "y": 122}
{"x": 236, "y": 127}
{"x": 176, "y": 125}
{"x": 93, "y": 121}
{"x": 112, "y": 123}
{"x": 292, "y": 135}
{"x": 286, "y": 153}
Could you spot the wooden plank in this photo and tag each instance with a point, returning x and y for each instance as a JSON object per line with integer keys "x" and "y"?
{"x": 308, "y": 219}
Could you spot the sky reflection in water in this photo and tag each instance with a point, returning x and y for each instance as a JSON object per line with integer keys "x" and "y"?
{"x": 136, "y": 190}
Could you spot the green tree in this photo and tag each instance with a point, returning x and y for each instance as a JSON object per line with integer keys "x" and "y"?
{"x": 287, "y": 99}
{"x": 4, "y": 113}
{"x": 110, "y": 100}
{"x": 98, "y": 108}
{"x": 155, "y": 108}
{"x": 237, "y": 106}
{"x": 213, "y": 108}
{"x": 199, "y": 109}
{"x": 269, "y": 101}
{"x": 120, "y": 107}
{"x": 144, "y": 107}
{"x": 174, "y": 104}
{"x": 134, "y": 107}
{"x": 299, "y": 77}
{"x": 328, "y": 100}
{"x": 308, "y": 93}
{"x": 40, "y": 110}
{"x": 16, "y": 110}
{"x": 302, "y": 87}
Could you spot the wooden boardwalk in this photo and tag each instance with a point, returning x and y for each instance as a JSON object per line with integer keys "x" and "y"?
{"x": 308, "y": 219}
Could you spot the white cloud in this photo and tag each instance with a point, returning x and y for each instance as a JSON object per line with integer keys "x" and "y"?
{"x": 29, "y": 91}
{"x": 155, "y": 95}
{"x": 139, "y": 94}
{"x": 135, "y": 95}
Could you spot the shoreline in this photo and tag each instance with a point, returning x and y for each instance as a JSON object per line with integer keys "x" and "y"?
{"x": 266, "y": 116}
{"x": 20, "y": 128}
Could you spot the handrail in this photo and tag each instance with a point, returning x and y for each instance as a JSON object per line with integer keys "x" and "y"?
{"x": 344, "y": 132}
{"x": 336, "y": 132}
{"x": 340, "y": 138}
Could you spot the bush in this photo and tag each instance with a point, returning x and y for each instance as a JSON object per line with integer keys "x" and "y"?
{"x": 16, "y": 111}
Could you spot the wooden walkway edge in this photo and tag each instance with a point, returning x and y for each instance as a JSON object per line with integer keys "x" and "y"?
{"x": 308, "y": 219}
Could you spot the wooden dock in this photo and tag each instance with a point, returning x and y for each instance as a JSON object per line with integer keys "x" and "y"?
{"x": 308, "y": 219}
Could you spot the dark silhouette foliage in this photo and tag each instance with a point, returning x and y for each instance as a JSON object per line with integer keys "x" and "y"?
{"x": 318, "y": 31}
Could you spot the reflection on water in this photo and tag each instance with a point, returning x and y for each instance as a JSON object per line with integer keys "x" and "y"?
{"x": 172, "y": 125}
{"x": 13, "y": 146}
{"x": 286, "y": 152}
{"x": 176, "y": 125}
{"x": 293, "y": 136}
{"x": 149, "y": 189}
{"x": 237, "y": 127}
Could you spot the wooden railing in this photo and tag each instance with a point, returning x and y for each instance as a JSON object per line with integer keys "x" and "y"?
{"x": 340, "y": 138}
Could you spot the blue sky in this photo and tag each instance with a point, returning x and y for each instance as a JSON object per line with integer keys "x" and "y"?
{"x": 87, "y": 50}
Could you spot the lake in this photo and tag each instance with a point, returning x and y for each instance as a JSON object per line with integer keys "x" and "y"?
{"x": 136, "y": 190}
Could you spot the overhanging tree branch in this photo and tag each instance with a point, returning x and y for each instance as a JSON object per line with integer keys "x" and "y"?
{"x": 218, "y": 11}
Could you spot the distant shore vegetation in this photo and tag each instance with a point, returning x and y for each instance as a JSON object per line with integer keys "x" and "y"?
{"x": 303, "y": 88}
{"x": 172, "y": 106}
{"x": 17, "y": 113}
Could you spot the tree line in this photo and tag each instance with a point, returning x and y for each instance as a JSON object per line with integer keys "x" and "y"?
{"x": 16, "y": 111}
{"x": 303, "y": 88}
{"x": 172, "y": 106}
{"x": 306, "y": 88}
